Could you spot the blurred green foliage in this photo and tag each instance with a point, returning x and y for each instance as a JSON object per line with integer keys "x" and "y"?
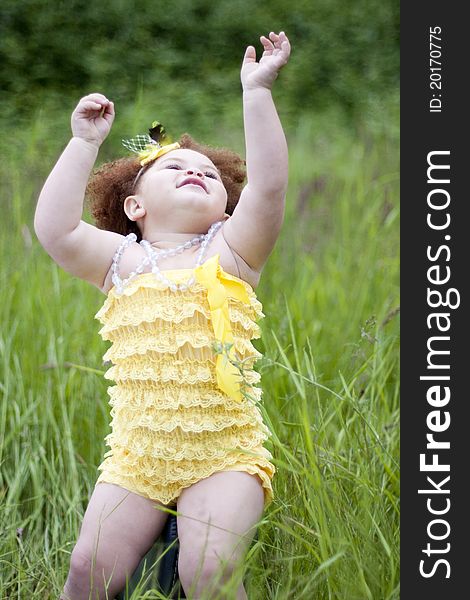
{"x": 188, "y": 52}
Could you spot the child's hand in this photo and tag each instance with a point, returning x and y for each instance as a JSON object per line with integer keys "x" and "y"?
{"x": 92, "y": 118}
{"x": 275, "y": 56}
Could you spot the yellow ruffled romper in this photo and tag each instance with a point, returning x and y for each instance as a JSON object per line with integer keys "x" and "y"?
{"x": 182, "y": 408}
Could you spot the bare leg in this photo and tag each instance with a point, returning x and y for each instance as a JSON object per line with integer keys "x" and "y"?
{"x": 118, "y": 529}
{"x": 219, "y": 522}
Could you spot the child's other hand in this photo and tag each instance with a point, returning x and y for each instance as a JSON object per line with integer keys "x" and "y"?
{"x": 275, "y": 56}
{"x": 92, "y": 118}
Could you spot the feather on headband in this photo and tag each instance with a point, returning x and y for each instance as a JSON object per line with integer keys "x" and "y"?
{"x": 148, "y": 147}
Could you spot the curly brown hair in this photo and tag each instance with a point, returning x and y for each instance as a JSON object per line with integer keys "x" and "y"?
{"x": 110, "y": 185}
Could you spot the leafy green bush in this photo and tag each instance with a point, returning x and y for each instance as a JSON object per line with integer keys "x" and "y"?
{"x": 344, "y": 52}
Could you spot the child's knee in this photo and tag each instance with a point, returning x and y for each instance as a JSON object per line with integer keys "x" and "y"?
{"x": 214, "y": 568}
{"x": 107, "y": 567}
{"x": 80, "y": 564}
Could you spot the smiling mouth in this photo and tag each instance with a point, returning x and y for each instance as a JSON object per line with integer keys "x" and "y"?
{"x": 193, "y": 181}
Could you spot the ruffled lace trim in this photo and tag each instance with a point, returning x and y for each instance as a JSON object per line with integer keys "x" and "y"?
{"x": 172, "y": 341}
{"x": 159, "y": 471}
{"x": 149, "y": 281}
{"x": 195, "y": 419}
{"x": 165, "y": 368}
{"x": 166, "y": 491}
{"x": 141, "y": 395}
{"x": 150, "y": 304}
{"x": 178, "y": 444}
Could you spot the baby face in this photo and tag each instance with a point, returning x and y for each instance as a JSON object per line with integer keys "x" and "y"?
{"x": 182, "y": 180}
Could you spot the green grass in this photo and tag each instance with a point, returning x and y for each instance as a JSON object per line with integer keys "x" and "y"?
{"x": 330, "y": 374}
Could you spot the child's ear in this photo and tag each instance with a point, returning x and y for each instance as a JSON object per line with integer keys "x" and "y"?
{"x": 133, "y": 209}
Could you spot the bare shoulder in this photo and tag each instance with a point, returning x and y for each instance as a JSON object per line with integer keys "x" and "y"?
{"x": 253, "y": 229}
{"x": 133, "y": 256}
{"x": 232, "y": 262}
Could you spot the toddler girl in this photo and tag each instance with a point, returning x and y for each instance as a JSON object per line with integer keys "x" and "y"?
{"x": 178, "y": 252}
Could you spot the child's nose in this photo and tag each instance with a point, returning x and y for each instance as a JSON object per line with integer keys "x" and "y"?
{"x": 194, "y": 172}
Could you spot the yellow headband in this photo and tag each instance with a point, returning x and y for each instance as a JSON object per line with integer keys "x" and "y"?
{"x": 153, "y": 151}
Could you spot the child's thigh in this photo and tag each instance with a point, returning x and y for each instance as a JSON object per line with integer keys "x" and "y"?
{"x": 117, "y": 518}
{"x": 222, "y": 512}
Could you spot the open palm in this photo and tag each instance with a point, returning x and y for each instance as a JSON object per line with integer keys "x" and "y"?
{"x": 262, "y": 74}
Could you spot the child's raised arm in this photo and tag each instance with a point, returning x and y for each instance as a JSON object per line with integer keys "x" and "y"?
{"x": 75, "y": 245}
{"x": 256, "y": 222}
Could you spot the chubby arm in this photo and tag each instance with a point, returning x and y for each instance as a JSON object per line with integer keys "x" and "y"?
{"x": 75, "y": 245}
{"x": 256, "y": 222}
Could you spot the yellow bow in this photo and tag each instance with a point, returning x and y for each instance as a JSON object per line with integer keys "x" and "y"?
{"x": 153, "y": 151}
{"x": 220, "y": 286}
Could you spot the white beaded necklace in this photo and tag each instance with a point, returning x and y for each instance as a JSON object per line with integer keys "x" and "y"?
{"x": 153, "y": 257}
